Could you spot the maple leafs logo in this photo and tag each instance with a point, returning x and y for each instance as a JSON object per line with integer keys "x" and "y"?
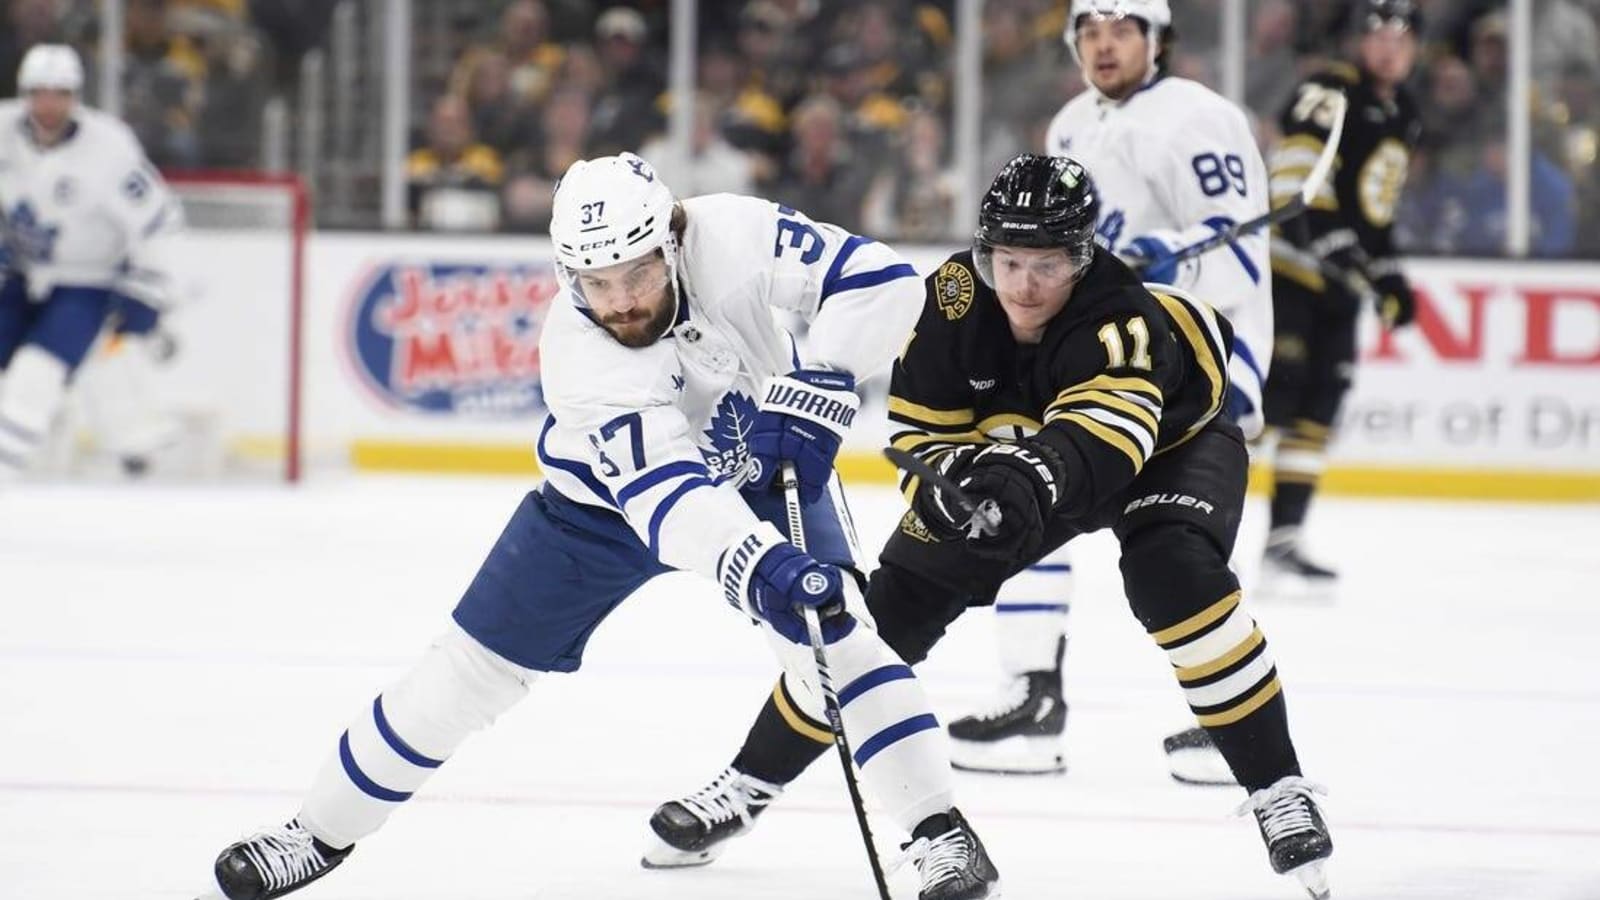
{"x": 727, "y": 435}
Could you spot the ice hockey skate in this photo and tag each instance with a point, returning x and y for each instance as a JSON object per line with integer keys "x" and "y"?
{"x": 1291, "y": 825}
{"x": 1287, "y": 575}
{"x": 1193, "y": 758}
{"x": 694, "y": 831}
{"x": 272, "y": 863}
{"x": 952, "y": 862}
{"x": 1020, "y": 734}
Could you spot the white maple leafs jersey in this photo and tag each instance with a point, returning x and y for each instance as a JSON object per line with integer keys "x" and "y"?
{"x": 89, "y": 212}
{"x": 1178, "y": 157}
{"x": 659, "y": 432}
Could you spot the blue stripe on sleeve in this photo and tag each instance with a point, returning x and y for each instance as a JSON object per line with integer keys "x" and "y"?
{"x": 666, "y": 505}
{"x": 655, "y": 476}
{"x": 1220, "y": 223}
{"x": 1050, "y": 567}
{"x": 572, "y": 467}
{"x": 1030, "y": 607}
{"x": 1242, "y": 351}
{"x": 397, "y": 743}
{"x": 894, "y": 733}
{"x": 867, "y": 279}
{"x": 359, "y": 778}
{"x": 880, "y": 675}
{"x": 836, "y": 268}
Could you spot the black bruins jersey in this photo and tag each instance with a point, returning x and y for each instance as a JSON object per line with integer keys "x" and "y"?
{"x": 1359, "y": 201}
{"x": 1120, "y": 375}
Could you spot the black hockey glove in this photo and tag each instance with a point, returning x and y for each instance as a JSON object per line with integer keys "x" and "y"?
{"x": 1397, "y": 306}
{"x": 1024, "y": 479}
{"x": 942, "y": 515}
{"x": 1344, "y": 267}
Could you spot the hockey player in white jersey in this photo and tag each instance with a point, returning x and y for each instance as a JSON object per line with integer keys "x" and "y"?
{"x": 87, "y": 222}
{"x": 1174, "y": 163}
{"x": 674, "y": 396}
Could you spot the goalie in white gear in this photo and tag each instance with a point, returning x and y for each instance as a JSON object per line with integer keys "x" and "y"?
{"x": 1174, "y": 162}
{"x": 673, "y": 396}
{"x": 87, "y": 222}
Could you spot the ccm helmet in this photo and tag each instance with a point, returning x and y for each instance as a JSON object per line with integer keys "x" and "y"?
{"x": 610, "y": 210}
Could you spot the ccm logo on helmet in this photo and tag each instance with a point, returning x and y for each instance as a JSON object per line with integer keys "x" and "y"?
{"x": 584, "y": 248}
{"x": 1173, "y": 499}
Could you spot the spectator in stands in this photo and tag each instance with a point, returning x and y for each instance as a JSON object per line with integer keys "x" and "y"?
{"x": 1576, "y": 115}
{"x": 501, "y": 118}
{"x": 913, "y": 197}
{"x": 749, "y": 117}
{"x": 233, "y": 97}
{"x": 29, "y": 22}
{"x": 1273, "y": 71}
{"x": 523, "y": 40}
{"x": 453, "y": 180}
{"x": 1565, "y": 35}
{"x": 713, "y": 166}
{"x": 821, "y": 172}
{"x": 1489, "y": 56}
{"x": 777, "y": 48}
{"x": 1020, "y": 83}
{"x": 563, "y": 140}
{"x": 161, "y": 86}
{"x": 1466, "y": 214}
{"x": 872, "y": 117}
{"x": 1453, "y": 117}
{"x": 627, "y": 110}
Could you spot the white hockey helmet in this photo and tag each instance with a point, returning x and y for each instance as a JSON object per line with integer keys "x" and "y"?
{"x": 1155, "y": 14}
{"x": 51, "y": 67}
{"x": 607, "y": 211}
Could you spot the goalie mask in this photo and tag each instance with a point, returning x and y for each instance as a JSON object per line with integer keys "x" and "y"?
{"x": 607, "y": 211}
{"x": 1037, "y": 202}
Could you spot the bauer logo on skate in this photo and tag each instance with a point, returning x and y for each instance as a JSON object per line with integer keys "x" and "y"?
{"x": 461, "y": 339}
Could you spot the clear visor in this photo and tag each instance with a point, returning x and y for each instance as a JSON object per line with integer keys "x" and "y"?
{"x": 1050, "y": 266}
{"x": 636, "y": 278}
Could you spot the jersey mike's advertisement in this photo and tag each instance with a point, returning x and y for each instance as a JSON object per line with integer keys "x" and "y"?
{"x": 452, "y": 338}
{"x": 421, "y": 353}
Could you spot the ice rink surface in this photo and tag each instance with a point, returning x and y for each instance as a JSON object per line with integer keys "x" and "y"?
{"x": 176, "y": 661}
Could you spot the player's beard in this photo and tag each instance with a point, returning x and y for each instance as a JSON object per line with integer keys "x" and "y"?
{"x": 641, "y": 329}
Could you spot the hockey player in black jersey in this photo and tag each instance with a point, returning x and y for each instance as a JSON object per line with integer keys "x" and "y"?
{"x": 1330, "y": 262}
{"x": 1043, "y": 376}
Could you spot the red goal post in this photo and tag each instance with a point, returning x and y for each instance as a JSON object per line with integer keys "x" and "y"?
{"x": 240, "y": 322}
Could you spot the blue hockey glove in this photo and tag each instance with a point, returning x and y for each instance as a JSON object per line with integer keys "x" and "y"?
{"x": 802, "y": 419}
{"x": 769, "y": 578}
{"x": 1152, "y": 256}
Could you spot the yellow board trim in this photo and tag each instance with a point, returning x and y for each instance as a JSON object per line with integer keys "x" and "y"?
{"x": 902, "y": 407}
{"x": 869, "y": 467}
{"x": 795, "y": 720}
{"x": 1197, "y": 621}
{"x": 1251, "y": 641}
{"x": 1244, "y": 709}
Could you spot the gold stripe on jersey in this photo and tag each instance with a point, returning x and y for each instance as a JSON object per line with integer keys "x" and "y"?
{"x": 1310, "y": 279}
{"x": 796, "y": 719}
{"x": 1199, "y": 327}
{"x": 1107, "y": 434}
{"x": 1290, "y": 165}
{"x": 1116, "y": 383}
{"x": 989, "y": 424}
{"x": 904, "y": 410}
{"x": 1117, "y": 402}
{"x": 1173, "y": 635}
{"x": 1235, "y": 713}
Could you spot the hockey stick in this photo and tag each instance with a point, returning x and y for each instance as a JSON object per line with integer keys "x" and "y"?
{"x": 984, "y": 517}
{"x": 830, "y": 696}
{"x": 1296, "y": 205}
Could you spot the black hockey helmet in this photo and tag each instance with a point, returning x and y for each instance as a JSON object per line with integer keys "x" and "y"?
{"x": 1372, "y": 15}
{"x": 1037, "y": 201}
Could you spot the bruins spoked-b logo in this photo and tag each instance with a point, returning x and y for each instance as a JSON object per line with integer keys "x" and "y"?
{"x": 952, "y": 284}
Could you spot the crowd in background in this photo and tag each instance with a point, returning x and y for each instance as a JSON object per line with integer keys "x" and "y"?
{"x": 841, "y": 109}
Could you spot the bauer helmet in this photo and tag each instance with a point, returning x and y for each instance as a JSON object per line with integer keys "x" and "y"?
{"x": 1037, "y": 201}
{"x": 611, "y": 210}
{"x": 1372, "y": 15}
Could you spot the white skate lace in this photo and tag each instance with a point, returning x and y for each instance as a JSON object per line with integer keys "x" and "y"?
{"x": 730, "y": 795}
{"x": 1012, "y": 696}
{"x": 284, "y": 856}
{"x": 1285, "y": 808}
{"x": 938, "y": 859}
